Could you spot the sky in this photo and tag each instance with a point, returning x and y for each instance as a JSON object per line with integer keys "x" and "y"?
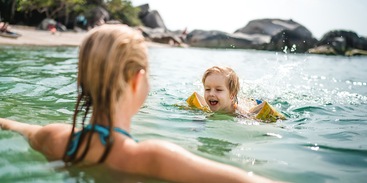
{"x": 318, "y": 16}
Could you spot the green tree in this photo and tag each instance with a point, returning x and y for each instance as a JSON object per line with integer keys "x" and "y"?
{"x": 50, "y": 7}
{"x": 7, "y": 10}
{"x": 124, "y": 11}
{"x": 121, "y": 10}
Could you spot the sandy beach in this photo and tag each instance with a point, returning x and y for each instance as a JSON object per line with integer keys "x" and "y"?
{"x": 30, "y": 36}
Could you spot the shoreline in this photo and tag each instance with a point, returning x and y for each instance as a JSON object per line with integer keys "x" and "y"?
{"x": 30, "y": 36}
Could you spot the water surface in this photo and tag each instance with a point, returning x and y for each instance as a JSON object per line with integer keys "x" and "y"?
{"x": 323, "y": 97}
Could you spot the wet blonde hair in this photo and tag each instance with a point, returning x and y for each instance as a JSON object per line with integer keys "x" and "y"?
{"x": 233, "y": 83}
{"x": 108, "y": 58}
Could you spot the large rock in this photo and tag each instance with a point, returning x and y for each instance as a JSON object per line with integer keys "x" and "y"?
{"x": 160, "y": 35}
{"x": 285, "y": 35}
{"x": 144, "y": 10}
{"x": 341, "y": 42}
{"x": 263, "y": 34}
{"x": 151, "y": 19}
{"x": 217, "y": 39}
{"x": 98, "y": 16}
{"x": 155, "y": 30}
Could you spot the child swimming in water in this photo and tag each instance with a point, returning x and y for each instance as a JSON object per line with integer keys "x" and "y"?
{"x": 112, "y": 85}
{"x": 221, "y": 85}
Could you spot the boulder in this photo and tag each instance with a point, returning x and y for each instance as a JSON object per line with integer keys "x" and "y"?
{"x": 160, "y": 35}
{"x": 154, "y": 28}
{"x": 284, "y": 35}
{"x": 342, "y": 42}
{"x": 144, "y": 10}
{"x": 262, "y": 34}
{"x": 98, "y": 16}
{"x": 217, "y": 39}
{"x": 153, "y": 19}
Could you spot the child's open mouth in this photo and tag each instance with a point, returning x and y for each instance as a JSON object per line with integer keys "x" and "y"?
{"x": 213, "y": 102}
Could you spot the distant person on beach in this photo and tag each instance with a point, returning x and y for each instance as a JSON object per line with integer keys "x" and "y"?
{"x": 112, "y": 85}
{"x": 5, "y": 31}
{"x": 52, "y": 29}
{"x": 3, "y": 26}
{"x": 81, "y": 22}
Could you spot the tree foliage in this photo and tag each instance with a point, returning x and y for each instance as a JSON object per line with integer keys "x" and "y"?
{"x": 123, "y": 10}
{"x": 50, "y": 7}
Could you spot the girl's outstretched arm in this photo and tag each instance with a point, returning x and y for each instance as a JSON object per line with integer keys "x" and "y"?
{"x": 27, "y": 130}
{"x": 49, "y": 140}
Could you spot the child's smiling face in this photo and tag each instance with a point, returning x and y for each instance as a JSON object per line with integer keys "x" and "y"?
{"x": 217, "y": 94}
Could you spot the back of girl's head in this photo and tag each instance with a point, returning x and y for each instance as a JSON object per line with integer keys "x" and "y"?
{"x": 109, "y": 57}
{"x": 233, "y": 83}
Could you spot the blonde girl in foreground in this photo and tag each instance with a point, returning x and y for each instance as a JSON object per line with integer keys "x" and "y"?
{"x": 112, "y": 85}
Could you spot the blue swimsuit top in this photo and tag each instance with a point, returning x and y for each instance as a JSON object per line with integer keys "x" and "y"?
{"x": 103, "y": 134}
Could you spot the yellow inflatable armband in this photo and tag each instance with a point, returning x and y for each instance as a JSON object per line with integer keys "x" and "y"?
{"x": 266, "y": 112}
{"x": 197, "y": 101}
{"x": 263, "y": 111}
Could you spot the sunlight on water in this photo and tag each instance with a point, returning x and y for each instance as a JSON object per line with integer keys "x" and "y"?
{"x": 323, "y": 97}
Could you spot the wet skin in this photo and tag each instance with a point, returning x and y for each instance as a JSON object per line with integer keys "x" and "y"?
{"x": 217, "y": 94}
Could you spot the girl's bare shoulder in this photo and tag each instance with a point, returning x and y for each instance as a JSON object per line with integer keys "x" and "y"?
{"x": 52, "y": 140}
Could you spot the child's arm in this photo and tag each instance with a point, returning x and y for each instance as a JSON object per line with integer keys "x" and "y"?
{"x": 171, "y": 162}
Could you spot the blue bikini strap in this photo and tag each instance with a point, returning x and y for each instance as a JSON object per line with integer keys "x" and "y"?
{"x": 103, "y": 134}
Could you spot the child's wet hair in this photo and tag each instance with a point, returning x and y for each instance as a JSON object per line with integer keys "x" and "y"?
{"x": 233, "y": 83}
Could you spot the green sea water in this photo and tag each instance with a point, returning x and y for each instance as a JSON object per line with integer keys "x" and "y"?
{"x": 323, "y": 97}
